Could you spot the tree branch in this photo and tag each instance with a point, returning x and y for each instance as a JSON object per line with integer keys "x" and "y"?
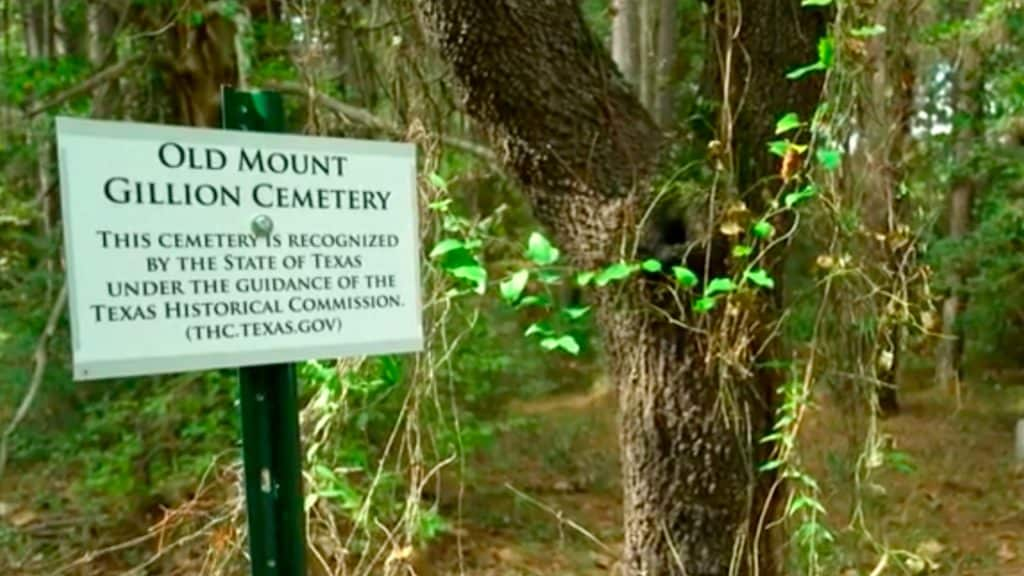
{"x": 370, "y": 120}
{"x": 106, "y": 75}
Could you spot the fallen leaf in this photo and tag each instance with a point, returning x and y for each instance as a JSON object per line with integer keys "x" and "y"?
{"x": 563, "y": 486}
{"x": 886, "y": 359}
{"x": 930, "y": 549}
{"x": 1006, "y": 553}
{"x": 400, "y": 554}
{"x": 23, "y": 518}
{"x": 731, "y": 228}
{"x": 929, "y": 320}
{"x": 790, "y": 164}
{"x": 508, "y": 556}
{"x": 736, "y": 210}
{"x": 915, "y": 565}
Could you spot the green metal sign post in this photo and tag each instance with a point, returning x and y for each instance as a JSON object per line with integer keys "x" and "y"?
{"x": 270, "y": 410}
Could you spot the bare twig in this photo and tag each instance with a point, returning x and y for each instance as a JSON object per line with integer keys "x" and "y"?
{"x": 41, "y": 358}
{"x": 370, "y": 120}
{"x": 561, "y": 518}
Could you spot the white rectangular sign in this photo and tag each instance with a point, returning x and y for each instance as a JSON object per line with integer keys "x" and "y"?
{"x": 193, "y": 249}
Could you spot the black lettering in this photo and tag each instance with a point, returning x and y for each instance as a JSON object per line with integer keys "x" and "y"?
{"x": 282, "y": 165}
{"x": 162, "y": 153}
{"x": 250, "y": 164}
{"x": 256, "y": 194}
{"x": 120, "y": 196}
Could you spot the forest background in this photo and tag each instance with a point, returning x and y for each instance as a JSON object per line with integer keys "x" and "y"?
{"x": 897, "y": 195}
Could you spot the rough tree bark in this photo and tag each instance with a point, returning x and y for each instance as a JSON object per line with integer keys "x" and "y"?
{"x": 969, "y": 105}
{"x": 202, "y": 59}
{"x": 585, "y": 150}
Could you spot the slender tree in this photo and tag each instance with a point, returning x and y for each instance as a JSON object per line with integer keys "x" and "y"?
{"x": 663, "y": 103}
{"x": 644, "y": 47}
{"x": 101, "y": 24}
{"x": 886, "y": 117}
{"x": 626, "y": 38}
{"x": 587, "y": 153}
{"x": 969, "y": 109}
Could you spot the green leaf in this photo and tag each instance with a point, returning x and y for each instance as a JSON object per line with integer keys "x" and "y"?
{"x": 763, "y": 229}
{"x": 538, "y": 328}
{"x": 779, "y": 147}
{"x": 651, "y": 265}
{"x": 760, "y": 277}
{"x": 567, "y": 343}
{"x": 576, "y": 312}
{"x": 901, "y": 462}
{"x": 788, "y": 122}
{"x": 584, "y": 278}
{"x": 440, "y": 205}
{"x": 741, "y": 251}
{"x": 704, "y": 304}
{"x": 826, "y": 52}
{"x": 805, "y": 502}
{"x": 533, "y": 300}
{"x": 475, "y": 274}
{"x": 719, "y": 286}
{"x": 512, "y": 289}
{"x": 549, "y": 276}
{"x": 445, "y": 246}
{"x": 794, "y": 198}
{"x": 437, "y": 181}
{"x": 540, "y": 251}
{"x": 816, "y": 3}
{"x": 770, "y": 465}
{"x": 804, "y": 71}
{"x": 684, "y": 276}
{"x": 617, "y": 271}
{"x": 829, "y": 158}
{"x": 868, "y": 31}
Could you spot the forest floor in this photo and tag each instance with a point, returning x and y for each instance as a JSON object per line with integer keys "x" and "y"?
{"x": 545, "y": 500}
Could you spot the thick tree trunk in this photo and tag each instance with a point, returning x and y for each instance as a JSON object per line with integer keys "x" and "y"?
{"x": 586, "y": 151}
{"x": 204, "y": 60}
{"x": 757, "y": 42}
{"x": 969, "y": 104}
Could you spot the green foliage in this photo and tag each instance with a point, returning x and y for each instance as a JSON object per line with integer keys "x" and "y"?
{"x": 990, "y": 257}
{"x": 787, "y": 123}
{"x": 26, "y": 80}
{"x": 826, "y": 55}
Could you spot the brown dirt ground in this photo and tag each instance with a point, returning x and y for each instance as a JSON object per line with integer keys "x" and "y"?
{"x": 961, "y": 507}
